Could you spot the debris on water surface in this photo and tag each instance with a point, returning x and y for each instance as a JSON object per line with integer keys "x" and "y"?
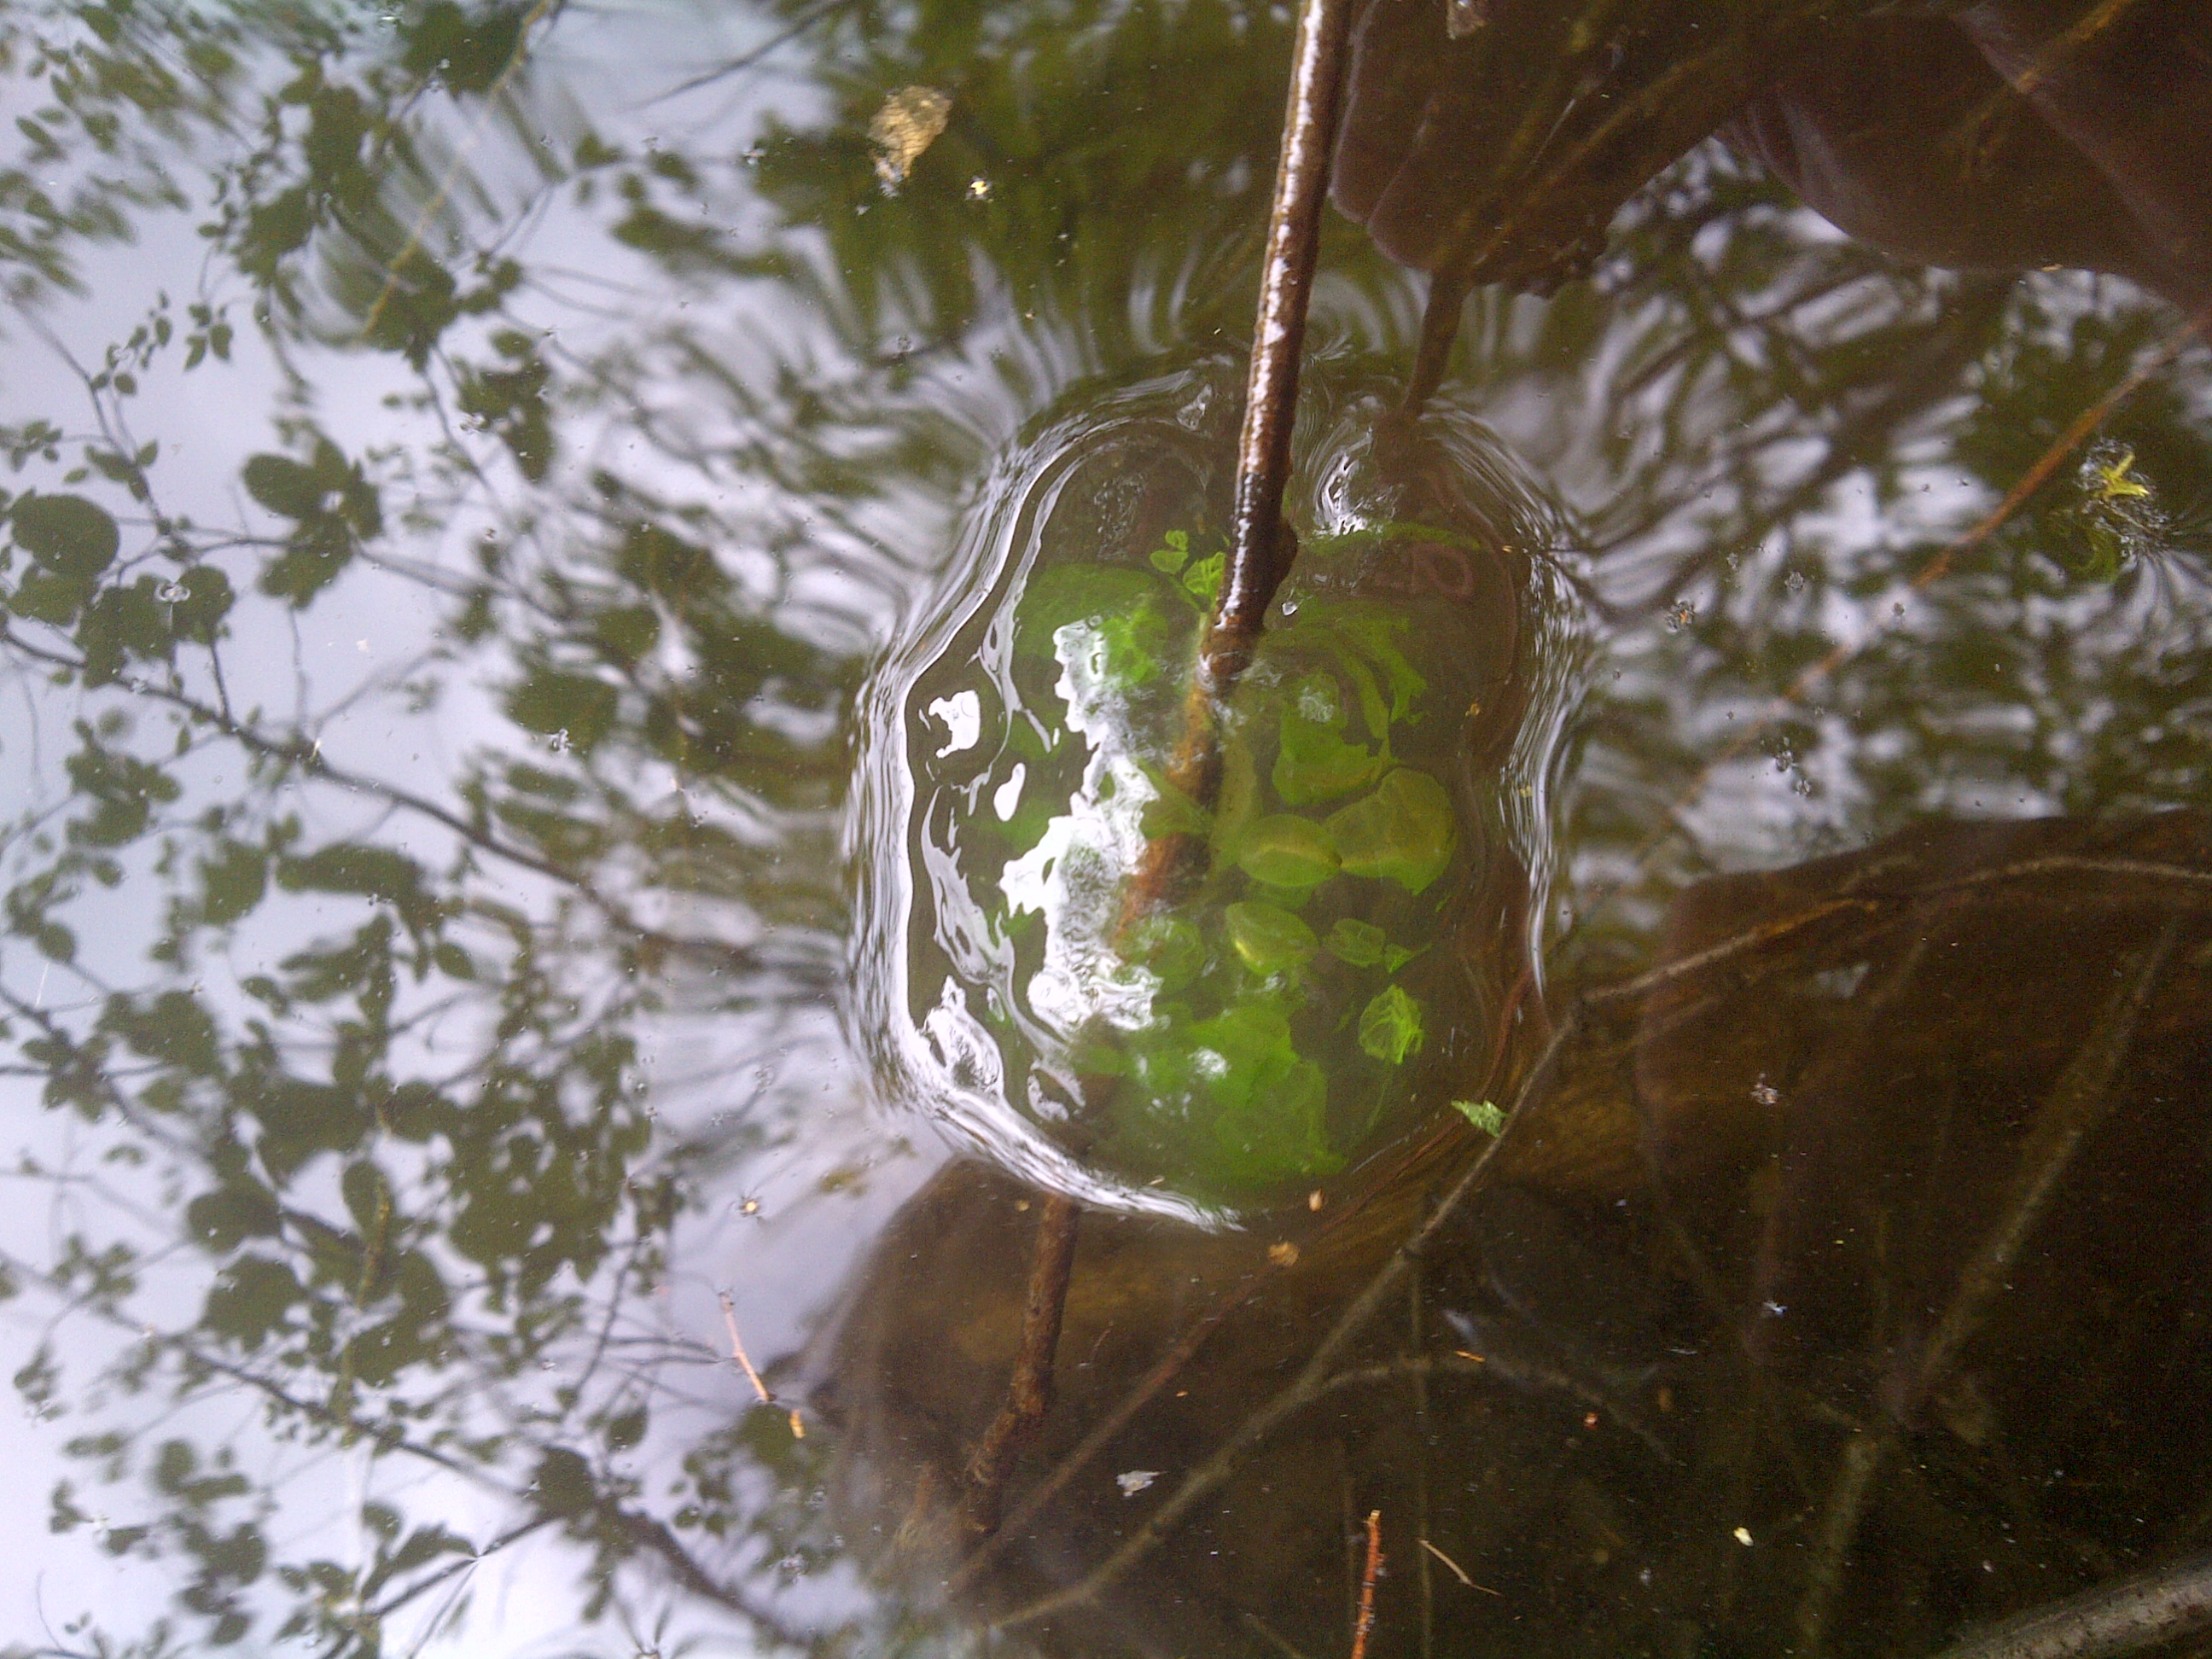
{"x": 908, "y": 123}
{"x": 1132, "y": 1481}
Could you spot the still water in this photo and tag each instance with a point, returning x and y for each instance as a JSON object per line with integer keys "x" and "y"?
{"x": 594, "y": 598}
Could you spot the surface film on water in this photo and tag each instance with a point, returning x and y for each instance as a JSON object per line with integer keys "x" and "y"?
{"x": 594, "y": 604}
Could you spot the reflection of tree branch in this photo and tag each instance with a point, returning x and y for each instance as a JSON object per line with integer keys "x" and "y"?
{"x": 383, "y": 1610}
{"x": 298, "y": 751}
{"x": 652, "y": 1534}
{"x": 1930, "y": 376}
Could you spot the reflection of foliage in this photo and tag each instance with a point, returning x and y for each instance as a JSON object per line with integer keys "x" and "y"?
{"x": 356, "y": 1044}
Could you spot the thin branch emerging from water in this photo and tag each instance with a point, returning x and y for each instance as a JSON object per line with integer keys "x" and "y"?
{"x": 1366, "y": 1624}
{"x": 737, "y": 1351}
{"x": 1261, "y": 546}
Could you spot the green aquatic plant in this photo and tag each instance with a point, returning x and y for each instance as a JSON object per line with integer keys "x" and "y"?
{"x": 1252, "y": 1031}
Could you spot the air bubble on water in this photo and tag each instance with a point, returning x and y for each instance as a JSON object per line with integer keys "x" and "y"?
{"x": 1290, "y": 607}
{"x": 170, "y": 593}
{"x": 1802, "y": 785}
{"x": 1795, "y": 582}
{"x": 558, "y": 743}
{"x": 979, "y": 189}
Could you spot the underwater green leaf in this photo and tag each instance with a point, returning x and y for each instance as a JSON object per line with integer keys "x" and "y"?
{"x": 1169, "y": 947}
{"x": 1312, "y": 762}
{"x": 1403, "y": 832}
{"x": 1358, "y": 943}
{"x": 1204, "y": 578}
{"x": 1078, "y": 592}
{"x": 1174, "y": 554}
{"x": 1283, "y": 851}
{"x": 1279, "y": 1132}
{"x": 1269, "y": 938}
{"x": 1390, "y": 1026}
{"x": 1172, "y": 813}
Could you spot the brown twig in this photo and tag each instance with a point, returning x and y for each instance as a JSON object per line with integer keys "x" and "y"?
{"x": 1103, "y": 1433}
{"x": 1366, "y": 1621}
{"x": 737, "y": 1351}
{"x": 1261, "y": 550}
{"x": 1029, "y": 1391}
{"x": 1261, "y": 546}
{"x": 2146, "y": 1610}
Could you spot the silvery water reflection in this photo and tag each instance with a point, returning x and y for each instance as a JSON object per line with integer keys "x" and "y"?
{"x": 423, "y": 876}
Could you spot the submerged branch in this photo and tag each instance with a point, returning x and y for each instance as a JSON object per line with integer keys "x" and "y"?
{"x": 1029, "y": 1391}
{"x": 2146, "y": 1610}
{"x": 2082, "y": 1099}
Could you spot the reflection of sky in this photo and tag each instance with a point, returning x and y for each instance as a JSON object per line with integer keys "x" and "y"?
{"x": 794, "y": 1216}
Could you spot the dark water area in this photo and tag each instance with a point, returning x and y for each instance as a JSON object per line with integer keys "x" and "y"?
{"x": 597, "y": 602}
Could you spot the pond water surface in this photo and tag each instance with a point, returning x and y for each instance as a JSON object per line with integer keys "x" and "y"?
{"x": 594, "y": 602}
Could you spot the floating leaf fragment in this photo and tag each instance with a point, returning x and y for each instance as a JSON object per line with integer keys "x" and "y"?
{"x": 907, "y": 124}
